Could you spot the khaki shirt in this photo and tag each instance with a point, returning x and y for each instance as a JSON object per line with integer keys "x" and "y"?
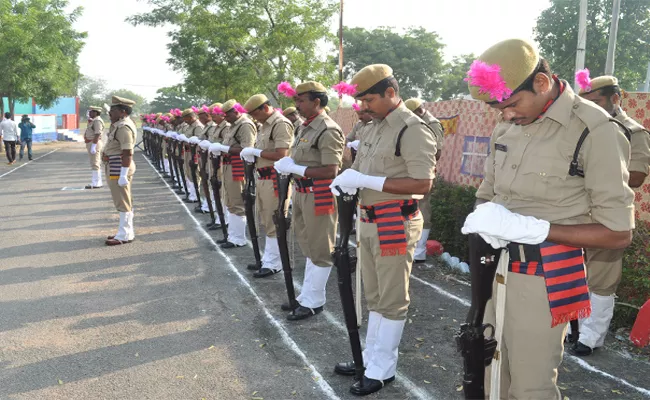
{"x": 298, "y": 122}
{"x": 196, "y": 129}
{"x": 527, "y": 170}
{"x": 121, "y": 136}
{"x": 182, "y": 128}
{"x": 436, "y": 127}
{"x": 639, "y": 143}
{"x": 329, "y": 149}
{"x": 376, "y": 154}
{"x": 217, "y": 135}
{"x": 276, "y": 133}
{"x": 95, "y": 127}
{"x": 208, "y": 129}
{"x": 241, "y": 133}
{"x": 359, "y": 129}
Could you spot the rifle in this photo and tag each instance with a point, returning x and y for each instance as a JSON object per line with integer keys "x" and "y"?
{"x": 476, "y": 349}
{"x": 145, "y": 140}
{"x": 193, "y": 167}
{"x": 177, "y": 183}
{"x": 249, "y": 195}
{"x": 163, "y": 145}
{"x": 216, "y": 190}
{"x": 347, "y": 205}
{"x": 204, "y": 184}
{"x": 181, "y": 169}
{"x": 168, "y": 143}
{"x": 282, "y": 225}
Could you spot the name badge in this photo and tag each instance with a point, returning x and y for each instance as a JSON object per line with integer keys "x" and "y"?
{"x": 501, "y": 147}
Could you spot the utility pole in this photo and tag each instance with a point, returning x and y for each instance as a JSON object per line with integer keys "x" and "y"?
{"x": 341, "y": 43}
{"x": 646, "y": 87}
{"x": 582, "y": 40}
{"x": 613, "y": 33}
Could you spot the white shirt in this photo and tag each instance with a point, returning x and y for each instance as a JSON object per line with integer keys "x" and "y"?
{"x": 9, "y": 130}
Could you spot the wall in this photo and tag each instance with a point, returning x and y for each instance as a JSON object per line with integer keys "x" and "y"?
{"x": 64, "y": 105}
{"x": 465, "y": 150}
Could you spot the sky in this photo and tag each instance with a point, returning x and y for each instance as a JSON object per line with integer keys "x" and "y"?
{"x": 465, "y": 26}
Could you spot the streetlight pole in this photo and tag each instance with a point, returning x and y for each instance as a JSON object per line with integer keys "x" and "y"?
{"x": 582, "y": 40}
{"x": 613, "y": 33}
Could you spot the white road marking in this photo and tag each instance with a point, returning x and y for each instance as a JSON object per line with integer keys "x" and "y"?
{"x": 591, "y": 368}
{"x": 286, "y": 338}
{"x": 27, "y": 163}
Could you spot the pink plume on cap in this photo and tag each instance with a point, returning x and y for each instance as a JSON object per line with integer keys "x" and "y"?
{"x": 195, "y": 109}
{"x": 345, "y": 88}
{"x": 217, "y": 110}
{"x": 286, "y": 89}
{"x": 205, "y": 109}
{"x": 489, "y": 80}
{"x": 238, "y": 107}
{"x": 583, "y": 80}
{"x": 279, "y": 110}
{"x": 165, "y": 118}
{"x": 356, "y": 107}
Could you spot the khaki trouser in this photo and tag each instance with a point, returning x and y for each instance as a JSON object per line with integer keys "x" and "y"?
{"x": 604, "y": 270}
{"x": 121, "y": 195}
{"x": 531, "y": 351}
{"x": 233, "y": 192}
{"x": 267, "y": 205}
{"x": 95, "y": 159}
{"x": 316, "y": 234}
{"x": 386, "y": 279}
{"x": 425, "y": 209}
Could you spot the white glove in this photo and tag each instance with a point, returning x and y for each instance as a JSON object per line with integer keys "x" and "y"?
{"x": 194, "y": 140}
{"x": 497, "y": 222}
{"x": 248, "y": 154}
{"x": 494, "y": 242}
{"x": 214, "y": 149}
{"x": 353, "y": 145}
{"x": 286, "y": 165}
{"x": 93, "y": 148}
{"x": 224, "y": 148}
{"x": 124, "y": 171}
{"x": 352, "y": 179}
{"x": 205, "y": 145}
{"x": 183, "y": 138}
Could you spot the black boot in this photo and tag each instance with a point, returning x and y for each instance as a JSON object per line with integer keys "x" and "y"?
{"x": 288, "y": 307}
{"x": 264, "y": 272}
{"x": 581, "y": 350}
{"x": 368, "y": 386}
{"x": 345, "y": 368}
{"x": 301, "y": 313}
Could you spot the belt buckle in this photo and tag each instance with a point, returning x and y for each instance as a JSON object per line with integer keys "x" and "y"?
{"x": 364, "y": 213}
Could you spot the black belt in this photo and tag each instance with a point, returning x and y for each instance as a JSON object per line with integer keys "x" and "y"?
{"x": 304, "y": 183}
{"x": 368, "y": 212}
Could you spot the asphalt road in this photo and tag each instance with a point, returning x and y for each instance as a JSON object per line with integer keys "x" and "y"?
{"x": 171, "y": 316}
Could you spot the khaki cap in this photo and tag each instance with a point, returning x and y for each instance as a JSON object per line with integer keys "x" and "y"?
{"x": 187, "y": 111}
{"x": 216, "y": 105}
{"x": 120, "y": 101}
{"x": 288, "y": 111}
{"x": 369, "y": 76}
{"x": 517, "y": 59}
{"x": 310, "y": 86}
{"x": 229, "y": 105}
{"x": 93, "y": 108}
{"x": 600, "y": 83}
{"x": 413, "y": 104}
{"x": 255, "y": 101}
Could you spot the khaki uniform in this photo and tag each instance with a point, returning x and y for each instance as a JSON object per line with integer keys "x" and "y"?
{"x": 316, "y": 234}
{"x": 216, "y": 136}
{"x": 298, "y": 122}
{"x": 121, "y": 136}
{"x": 196, "y": 129}
{"x": 357, "y": 132}
{"x": 242, "y": 134}
{"x": 527, "y": 172}
{"x": 96, "y": 127}
{"x": 276, "y": 133}
{"x": 386, "y": 279}
{"x": 425, "y": 204}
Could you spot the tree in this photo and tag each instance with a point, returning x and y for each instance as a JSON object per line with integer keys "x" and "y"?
{"x": 557, "y": 34}
{"x": 235, "y": 49}
{"x": 415, "y": 56}
{"x": 453, "y": 83}
{"x": 92, "y": 92}
{"x": 175, "y": 97}
{"x": 38, "y": 51}
{"x": 141, "y": 106}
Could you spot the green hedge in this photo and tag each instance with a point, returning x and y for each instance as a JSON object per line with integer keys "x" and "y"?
{"x": 450, "y": 205}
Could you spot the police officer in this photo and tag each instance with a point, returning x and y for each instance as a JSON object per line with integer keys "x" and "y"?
{"x": 605, "y": 267}
{"x": 292, "y": 115}
{"x": 394, "y": 168}
{"x": 205, "y": 118}
{"x": 239, "y": 135}
{"x": 194, "y": 128}
{"x": 93, "y": 139}
{"x": 118, "y": 156}
{"x": 216, "y": 136}
{"x": 273, "y": 143}
{"x": 362, "y": 126}
{"x": 544, "y": 209}
{"x": 417, "y": 107}
{"x": 315, "y": 160}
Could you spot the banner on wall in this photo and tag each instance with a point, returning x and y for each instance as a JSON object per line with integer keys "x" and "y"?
{"x": 450, "y": 124}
